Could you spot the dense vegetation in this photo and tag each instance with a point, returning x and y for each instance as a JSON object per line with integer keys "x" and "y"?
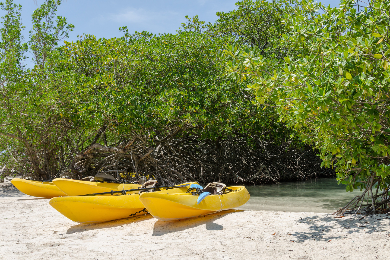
{"x": 333, "y": 89}
{"x": 143, "y": 104}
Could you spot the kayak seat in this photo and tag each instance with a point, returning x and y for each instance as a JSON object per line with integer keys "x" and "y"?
{"x": 103, "y": 177}
{"x": 215, "y": 188}
{"x": 148, "y": 185}
{"x": 88, "y": 178}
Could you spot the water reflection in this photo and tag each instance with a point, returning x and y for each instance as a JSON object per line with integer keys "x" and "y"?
{"x": 319, "y": 195}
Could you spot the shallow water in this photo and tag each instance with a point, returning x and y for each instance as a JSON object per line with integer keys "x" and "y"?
{"x": 318, "y": 195}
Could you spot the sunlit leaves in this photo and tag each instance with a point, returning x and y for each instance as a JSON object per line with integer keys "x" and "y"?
{"x": 31, "y": 117}
{"x": 48, "y": 29}
{"x": 149, "y": 84}
{"x": 334, "y": 86}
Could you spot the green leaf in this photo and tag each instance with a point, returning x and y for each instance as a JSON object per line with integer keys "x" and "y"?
{"x": 348, "y": 75}
{"x": 376, "y": 35}
{"x": 385, "y": 65}
{"x": 378, "y": 56}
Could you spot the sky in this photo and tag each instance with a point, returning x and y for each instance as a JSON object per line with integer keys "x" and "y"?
{"x": 103, "y": 18}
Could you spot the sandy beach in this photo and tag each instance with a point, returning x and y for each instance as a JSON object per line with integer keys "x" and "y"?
{"x": 32, "y": 229}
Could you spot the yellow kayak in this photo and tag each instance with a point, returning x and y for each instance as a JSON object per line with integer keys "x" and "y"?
{"x": 77, "y": 187}
{"x": 92, "y": 209}
{"x": 37, "y": 188}
{"x": 172, "y": 206}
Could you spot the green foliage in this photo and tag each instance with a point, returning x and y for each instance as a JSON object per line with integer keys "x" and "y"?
{"x": 31, "y": 131}
{"x": 144, "y": 85}
{"x": 11, "y": 71}
{"x": 194, "y": 25}
{"x": 47, "y": 32}
{"x": 86, "y": 102}
{"x": 11, "y": 46}
{"x": 256, "y": 26}
{"x": 333, "y": 87}
{"x": 254, "y": 23}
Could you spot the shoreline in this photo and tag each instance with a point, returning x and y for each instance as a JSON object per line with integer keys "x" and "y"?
{"x": 32, "y": 229}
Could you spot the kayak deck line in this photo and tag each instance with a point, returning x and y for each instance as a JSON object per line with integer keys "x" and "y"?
{"x": 79, "y": 187}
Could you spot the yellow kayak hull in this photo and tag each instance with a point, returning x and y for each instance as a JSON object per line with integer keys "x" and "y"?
{"x": 77, "y": 187}
{"x": 173, "y": 206}
{"x": 37, "y": 188}
{"x": 93, "y": 209}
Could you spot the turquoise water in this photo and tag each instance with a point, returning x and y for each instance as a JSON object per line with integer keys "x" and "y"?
{"x": 318, "y": 195}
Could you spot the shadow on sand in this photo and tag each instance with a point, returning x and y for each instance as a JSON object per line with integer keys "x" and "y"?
{"x": 109, "y": 224}
{"x": 321, "y": 226}
{"x": 8, "y": 190}
{"x": 11, "y": 194}
{"x": 166, "y": 227}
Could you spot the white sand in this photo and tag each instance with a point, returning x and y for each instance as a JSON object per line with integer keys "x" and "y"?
{"x": 31, "y": 229}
